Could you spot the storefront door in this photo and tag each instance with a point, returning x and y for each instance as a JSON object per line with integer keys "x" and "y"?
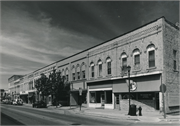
{"x": 102, "y": 100}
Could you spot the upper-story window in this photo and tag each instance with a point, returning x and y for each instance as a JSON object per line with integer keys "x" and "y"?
{"x": 124, "y": 62}
{"x": 73, "y": 73}
{"x": 151, "y": 55}
{"x": 67, "y": 74}
{"x": 92, "y": 69}
{"x": 62, "y": 74}
{"x": 78, "y": 71}
{"x": 100, "y": 67}
{"x": 108, "y": 61}
{"x": 174, "y": 59}
{"x": 83, "y": 69}
{"x": 136, "y": 56}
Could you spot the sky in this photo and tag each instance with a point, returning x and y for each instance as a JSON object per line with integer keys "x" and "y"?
{"x": 37, "y": 33}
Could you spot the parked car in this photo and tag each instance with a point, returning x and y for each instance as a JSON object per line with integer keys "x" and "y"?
{"x": 6, "y": 101}
{"x": 17, "y": 102}
{"x": 39, "y": 104}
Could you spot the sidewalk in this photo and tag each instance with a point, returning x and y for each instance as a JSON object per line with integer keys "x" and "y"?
{"x": 118, "y": 114}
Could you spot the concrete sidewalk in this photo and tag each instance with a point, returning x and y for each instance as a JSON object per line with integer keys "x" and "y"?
{"x": 119, "y": 114}
{"x": 154, "y": 116}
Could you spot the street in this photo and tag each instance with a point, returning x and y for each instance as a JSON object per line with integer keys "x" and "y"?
{"x": 44, "y": 116}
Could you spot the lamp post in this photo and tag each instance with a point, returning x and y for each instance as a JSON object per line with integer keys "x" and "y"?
{"x": 128, "y": 69}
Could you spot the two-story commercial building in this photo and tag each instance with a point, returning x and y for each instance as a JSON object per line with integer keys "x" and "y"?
{"x": 152, "y": 52}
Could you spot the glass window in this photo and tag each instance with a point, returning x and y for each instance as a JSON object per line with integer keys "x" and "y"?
{"x": 73, "y": 76}
{"x": 152, "y": 58}
{"x": 92, "y": 71}
{"x": 100, "y": 69}
{"x": 92, "y": 97}
{"x": 109, "y": 97}
{"x": 78, "y": 75}
{"x": 137, "y": 61}
{"x": 83, "y": 74}
{"x": 108, "y": 68}
{"x": 174, "y": 59}
{"x": 67, "y": 78}
{"x": 124, "y": 64}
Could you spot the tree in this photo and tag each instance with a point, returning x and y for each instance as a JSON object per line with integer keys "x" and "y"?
{"x": 60, "y": 88}
{"x": 42, "y": 86}
{"x": 55, "y": 85}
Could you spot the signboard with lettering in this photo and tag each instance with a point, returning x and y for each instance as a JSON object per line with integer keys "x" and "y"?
{"x": 145, "y": 96}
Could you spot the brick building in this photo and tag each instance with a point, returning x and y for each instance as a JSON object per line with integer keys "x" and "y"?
{"x": 151, "y": 50}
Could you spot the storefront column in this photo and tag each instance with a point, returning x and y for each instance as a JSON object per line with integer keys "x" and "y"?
{"x": 160, "y": 102}
{"x": 87, "y": 96}
{"x": 113, "y": 102}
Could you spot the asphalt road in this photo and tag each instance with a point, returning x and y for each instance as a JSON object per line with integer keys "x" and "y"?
{"x": 43, "y": 116}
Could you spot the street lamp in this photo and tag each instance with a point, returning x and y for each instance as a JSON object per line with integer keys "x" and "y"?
{"x": 128, "y": 69}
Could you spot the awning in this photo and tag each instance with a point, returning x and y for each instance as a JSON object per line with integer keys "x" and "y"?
{"x": 30, "y": 95}
{"x": 74, "y": 91}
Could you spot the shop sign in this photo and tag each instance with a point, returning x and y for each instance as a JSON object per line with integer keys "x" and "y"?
{"x": 145, "y": 96}
{"x": 23, "y": 92}
{"x": 133, "y": 85}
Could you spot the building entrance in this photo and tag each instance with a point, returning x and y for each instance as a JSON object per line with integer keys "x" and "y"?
{"x": 102, "y": 99}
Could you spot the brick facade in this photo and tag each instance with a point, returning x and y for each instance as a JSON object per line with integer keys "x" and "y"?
{"x": 159, "y": 35}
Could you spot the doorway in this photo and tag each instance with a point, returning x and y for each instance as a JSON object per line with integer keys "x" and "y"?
{"x": 157, "y": 100}
{"x": 102, "y": 99}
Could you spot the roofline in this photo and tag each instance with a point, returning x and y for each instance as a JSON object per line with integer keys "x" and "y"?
{"x": 106, "y": 41}
{"x": 172, "y": 24}
{"x": 15, "y": 75}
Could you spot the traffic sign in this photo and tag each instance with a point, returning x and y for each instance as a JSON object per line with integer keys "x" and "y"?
{"x": 162, "y": 88}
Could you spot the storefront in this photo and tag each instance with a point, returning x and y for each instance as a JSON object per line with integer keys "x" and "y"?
{"x": 100, "y": 94}
{"x": 145, "y": 94}
{"x": 31, "y": 97}
{"x": 24, "y": 96}
{"x": 74, "y": 93}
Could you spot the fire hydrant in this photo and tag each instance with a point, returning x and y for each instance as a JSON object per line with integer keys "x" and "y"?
{"x": 140, "y": 109}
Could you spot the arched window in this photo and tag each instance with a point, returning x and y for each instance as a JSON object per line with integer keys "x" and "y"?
{"x": 67, "y": 74}
{"x": 124, "y": 61}
{"x": 136, "y": 57}
{"x": 62, "y": 74}
{"x": 108, "y": 61}
{"x": 92, "y": 69}
{"x": 83, "y": 71}
{"x": 73, "y": 73}
{"x": 78, "y": 71}
{"x": 151, "y": 55}
{"x": 99, "y": 67}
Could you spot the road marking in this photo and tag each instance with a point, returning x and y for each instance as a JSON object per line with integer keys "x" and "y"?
{"x": 35, "y": 115}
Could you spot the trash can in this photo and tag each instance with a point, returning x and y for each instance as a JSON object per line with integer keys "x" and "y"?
{"x": 133, "y": 110}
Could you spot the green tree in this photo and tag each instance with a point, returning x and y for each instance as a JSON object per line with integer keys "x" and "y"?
{"x": 42, "y": 86}
{"x": 60, "y": 88}
{"x": 55, "y": 85}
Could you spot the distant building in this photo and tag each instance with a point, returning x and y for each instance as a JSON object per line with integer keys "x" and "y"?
{"x": 152, "y": 51}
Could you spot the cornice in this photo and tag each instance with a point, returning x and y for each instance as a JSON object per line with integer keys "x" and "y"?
{"x": 129, "y": 39}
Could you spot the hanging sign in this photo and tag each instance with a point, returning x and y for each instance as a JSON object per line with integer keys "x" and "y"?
{"x": 133, "y": 85}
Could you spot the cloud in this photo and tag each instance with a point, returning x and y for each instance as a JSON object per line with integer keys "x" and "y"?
{"x": 33, "y": 38}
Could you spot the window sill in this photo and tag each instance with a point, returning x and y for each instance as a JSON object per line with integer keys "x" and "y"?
{"x": 109, "y": 75}
{"x": 100, "y": 77}
{"x": 138, "y": 70}
{"x": 151, "y": 68}
{"x": 176, "y": 71}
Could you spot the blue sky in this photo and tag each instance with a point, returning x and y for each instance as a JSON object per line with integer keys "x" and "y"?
{"x": 37, "y": 33}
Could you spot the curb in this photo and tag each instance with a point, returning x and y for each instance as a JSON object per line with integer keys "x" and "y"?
{"x": 129, "y": 118}
{"x": 126, "y": 117}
